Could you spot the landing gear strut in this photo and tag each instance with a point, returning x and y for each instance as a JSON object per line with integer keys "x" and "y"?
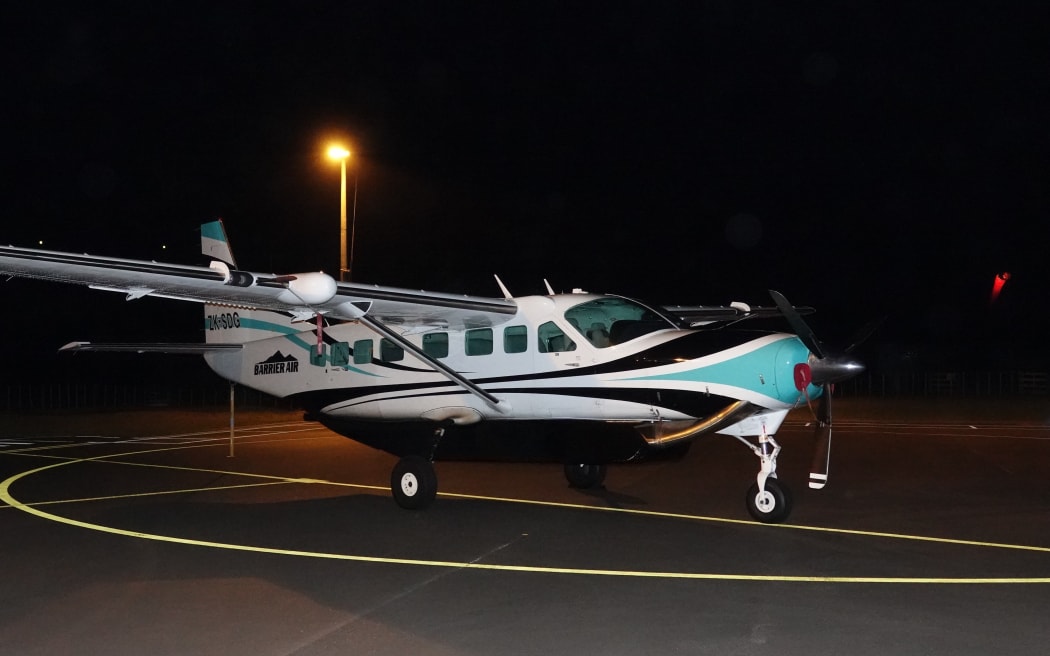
{"x": 768, "y": 500}
{"x": 585, "y": 477}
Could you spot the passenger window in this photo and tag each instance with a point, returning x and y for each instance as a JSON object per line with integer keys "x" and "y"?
{"x": 363, "y": 351}
{"x": 436, "y": 345}
{"x": 340, "y": 354}
{"x": 553, "y": 340}
{"x": 479, "y": 341}
{"x": 389, "y": 351}
{"x": 515, "y": 339}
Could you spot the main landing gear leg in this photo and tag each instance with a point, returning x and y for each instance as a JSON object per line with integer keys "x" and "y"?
{"x": 768, "y": 500}
{"x": 414, "y": 481}
{"x": 585, "y": 477}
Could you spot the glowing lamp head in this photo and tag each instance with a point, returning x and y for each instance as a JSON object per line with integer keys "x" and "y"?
{"x": 997, "y": 284}
{"x": 338, "y": 153}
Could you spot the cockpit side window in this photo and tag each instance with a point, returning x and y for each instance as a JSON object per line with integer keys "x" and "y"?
{"x": 613, "y": 320}
{"x": 553, "y": 339}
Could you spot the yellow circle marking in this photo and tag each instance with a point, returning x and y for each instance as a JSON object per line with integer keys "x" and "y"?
{"x": 33, "y": 509}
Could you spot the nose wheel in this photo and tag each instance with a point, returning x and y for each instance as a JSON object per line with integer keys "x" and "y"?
{"x": 770, "y": 505}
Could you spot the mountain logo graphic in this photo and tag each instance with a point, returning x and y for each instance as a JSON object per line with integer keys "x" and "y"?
{"x": 278, "y": 363}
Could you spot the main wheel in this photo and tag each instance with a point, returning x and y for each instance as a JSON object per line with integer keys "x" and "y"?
{"x": 413, "y": 483}
{"x": 585, "y": 476}
{"x": 773, "y": 505}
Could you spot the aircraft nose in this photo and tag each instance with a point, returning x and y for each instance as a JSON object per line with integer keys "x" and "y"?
{"x": 833, "y": 368}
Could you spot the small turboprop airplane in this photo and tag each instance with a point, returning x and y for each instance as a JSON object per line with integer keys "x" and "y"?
{"x": 585, "y": 379}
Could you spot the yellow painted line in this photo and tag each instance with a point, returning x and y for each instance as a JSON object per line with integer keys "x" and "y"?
{"x": 37, "y": 451}
{"x": 148, "y": 449}
{"x": 726, "y": 520}
{"x": 6, "y": 496}
{"x": 133, "y": 495}
{"x": 110, "y": 459}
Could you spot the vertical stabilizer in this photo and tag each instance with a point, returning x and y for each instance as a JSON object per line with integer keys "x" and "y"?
{"x": 214, "y": 243}
{"x": 226, "y": 324}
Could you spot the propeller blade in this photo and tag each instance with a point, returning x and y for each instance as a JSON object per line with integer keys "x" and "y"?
{"x": 864, "y": 333}
{"x": 801, "y": 328}
{"x": 822, "y": 369}
{"x": 818, "y": 472}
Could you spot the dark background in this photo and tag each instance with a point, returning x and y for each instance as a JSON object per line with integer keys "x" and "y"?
{"x": 868, "y": 159}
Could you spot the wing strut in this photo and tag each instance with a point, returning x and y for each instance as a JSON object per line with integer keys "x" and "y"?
{"x": 449, "y": 373}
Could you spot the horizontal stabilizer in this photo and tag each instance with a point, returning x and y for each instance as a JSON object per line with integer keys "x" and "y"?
{"x": 189, "y": 349}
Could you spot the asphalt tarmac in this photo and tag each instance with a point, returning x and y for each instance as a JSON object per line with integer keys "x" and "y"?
{"x": 155, "y": 533}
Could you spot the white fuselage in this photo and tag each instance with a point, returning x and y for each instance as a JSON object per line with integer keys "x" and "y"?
{"x": 362, "y": 376}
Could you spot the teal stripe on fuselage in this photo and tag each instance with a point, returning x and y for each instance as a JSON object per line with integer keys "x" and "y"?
{"x": 269, "y": 326}
{"x": 293, "y": 336}
{"x": 774, "y": 362}
{"x": 258, "y": 324}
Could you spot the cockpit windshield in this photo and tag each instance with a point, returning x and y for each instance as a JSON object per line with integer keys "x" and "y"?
{"x": 613, "y": 320}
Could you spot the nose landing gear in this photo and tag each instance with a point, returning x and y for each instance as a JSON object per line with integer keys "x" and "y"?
{"x": 768, "y": 500}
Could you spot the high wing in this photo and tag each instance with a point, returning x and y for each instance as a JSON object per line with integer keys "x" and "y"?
{"x": 305, "y": 295}
{"x": 302, "y": 295}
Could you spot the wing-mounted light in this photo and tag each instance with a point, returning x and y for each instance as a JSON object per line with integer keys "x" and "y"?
{"x": 310, "y": 289}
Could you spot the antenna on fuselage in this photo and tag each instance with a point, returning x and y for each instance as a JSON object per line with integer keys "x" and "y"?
{"x": 550, "y": 290}
{"x": 503, "y": 288}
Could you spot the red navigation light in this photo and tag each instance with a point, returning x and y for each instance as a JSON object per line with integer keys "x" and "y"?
{"x": 997, "y": 285}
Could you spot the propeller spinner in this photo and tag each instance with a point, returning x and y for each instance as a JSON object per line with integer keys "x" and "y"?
{"x": 823, "y": 369}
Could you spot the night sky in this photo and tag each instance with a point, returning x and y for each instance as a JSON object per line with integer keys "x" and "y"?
{"x": 864, "y": 158}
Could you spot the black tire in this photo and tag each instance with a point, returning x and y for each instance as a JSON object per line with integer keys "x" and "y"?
{"x": 413, "y": 483}
{"x": 585, "y": 477}
{"x": 771, "y": 507}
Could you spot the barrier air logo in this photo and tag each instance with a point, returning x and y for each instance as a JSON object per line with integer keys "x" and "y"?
{"x": 278, "y": 363}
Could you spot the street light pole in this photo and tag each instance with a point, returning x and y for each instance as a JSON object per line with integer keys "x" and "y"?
{"x": 343, "y": 267}
{"x": 353, "y": 224}
{"x": 342, "y": 154}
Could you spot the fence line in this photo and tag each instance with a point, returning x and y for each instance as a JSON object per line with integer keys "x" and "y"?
{"x": 949, "y": 384}
{"x": 38, "y": 397}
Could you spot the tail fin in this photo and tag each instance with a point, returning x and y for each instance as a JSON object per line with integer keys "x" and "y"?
{"x": 236, "y": 325}
{"x": 214, "y": 243}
